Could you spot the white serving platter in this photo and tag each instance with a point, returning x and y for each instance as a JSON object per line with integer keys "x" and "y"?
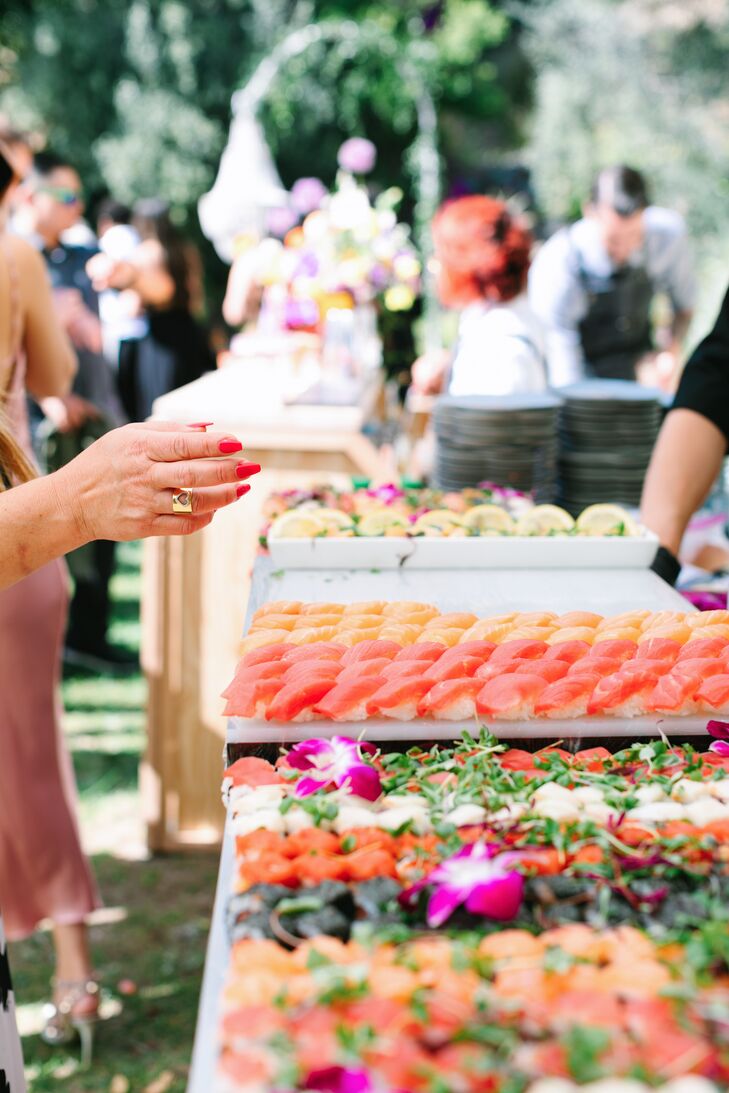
{"x": 249, "y": 731}
{"x": 483, "y": 552}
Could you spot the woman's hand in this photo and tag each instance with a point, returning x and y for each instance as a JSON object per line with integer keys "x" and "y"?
{"x": 121, "y": 487}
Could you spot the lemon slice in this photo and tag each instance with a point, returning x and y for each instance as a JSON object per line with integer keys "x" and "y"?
{"x": 381, "y": 523}
{"x": 437, "y": 521}
{"x": 606, "y": 520}
{"x": 543, "y": 520}
{"x": 297, "y": 525}
{"x": 489, "y": 520}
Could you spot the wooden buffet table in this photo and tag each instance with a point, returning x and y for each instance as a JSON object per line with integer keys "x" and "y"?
{"x": 195, "y": 589}
{"x": 484, "y": 592}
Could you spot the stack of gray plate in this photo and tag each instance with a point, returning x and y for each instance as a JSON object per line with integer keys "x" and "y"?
{"x": 607, "y": 430}
{"x": 509, "y": 439}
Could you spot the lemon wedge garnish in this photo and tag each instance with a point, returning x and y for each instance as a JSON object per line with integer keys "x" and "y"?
{"x": 335, "y": 521}
{"x": 543, "y": 520}
{"x": 297, "y": 525}
{"x": 382, "y": 523}
{"x": 606, "y": 520}
{"x": 438, "y": 521}
{"x": 489, "y": 520}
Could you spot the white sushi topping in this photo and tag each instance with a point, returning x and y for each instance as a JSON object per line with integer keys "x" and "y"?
{"x": 659, "y": 812}
{"x": 615, "y": 1085}
{"x": 394, "y": 818}
{"x": 649, "y": 794}
{"x": 353, "y": 816}
{"x": 705, "y": 811}
{"x": 268, "y": 819}
{"x": 690, "y": 1083}
{"x": 404, "y": 800}
{"x": 257, "y": 797}
{"x": 297, "y": 819}
{"x": 686, "y": 790}
{"x": 466, "y": 814}
{"x": 588, "y": 794}
{"x": 719, "y": 790}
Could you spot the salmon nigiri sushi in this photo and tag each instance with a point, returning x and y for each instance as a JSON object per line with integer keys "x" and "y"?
{"x": 604, "y": 666}
{"x": 588, "y": 634}
{"x": 398, "y": 698}
{"x": 295, "y": 701}
{"x": 348, "y": 701}
{"x": 368, "y": 650}
{"x": 252, "y": 699}
{"x": 422, "y": 650}
{"x": 619, "y": 648}
{"x": 510, "y": 698}
{"x": 453, "y": 668}
{"x": 524, "y": 649}
{"x": 551, "y": 670}
{"x": 569, "y": 651}
{"x": 495, "y": 669}
{"x": 316, "y": 650}
{"x": 579, "y": 618}
{"x": 697, "y": 648}
{"x": 472, "y": 648}
{"x": 360, "y": 669}
{"x": 713, "y": 694}
{"x": 451, "y": 700}
{"x": 313, "y": 669}
{"x": 568, "y": 697}
{"x": 651, "y": 648}
{"x": 269, "y": 669}
{"x": 675, "y": 692}
{"x": 264, "y": 653}
{"x": 623, "y": 696}
{"x": 405, "y": 669}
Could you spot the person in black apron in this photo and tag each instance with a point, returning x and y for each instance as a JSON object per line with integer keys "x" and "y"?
{"x": 616, "y": 331}
{"x": 592, "y": 285}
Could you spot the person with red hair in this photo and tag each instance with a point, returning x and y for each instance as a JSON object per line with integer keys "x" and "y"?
{"x": 482, "y": 256}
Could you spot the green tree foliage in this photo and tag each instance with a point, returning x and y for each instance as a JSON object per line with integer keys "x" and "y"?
{"x": 137, "y": 92}
{"x": 638, "y": 81}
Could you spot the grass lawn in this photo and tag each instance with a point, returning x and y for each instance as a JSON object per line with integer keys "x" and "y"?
{"x": 152, "y": 931}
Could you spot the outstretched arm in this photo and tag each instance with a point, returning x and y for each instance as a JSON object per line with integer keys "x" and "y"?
{"x": 119, "y": 488}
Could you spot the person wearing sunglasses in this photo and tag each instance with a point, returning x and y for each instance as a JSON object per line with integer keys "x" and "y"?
{"x": 65, "y": 426}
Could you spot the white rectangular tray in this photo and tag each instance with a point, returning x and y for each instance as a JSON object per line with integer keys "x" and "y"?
{"x": 244, "y": 731}
{"x": 484, "y": 552}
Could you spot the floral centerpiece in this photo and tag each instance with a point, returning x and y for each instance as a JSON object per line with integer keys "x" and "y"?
{"x": 339, "y": 249}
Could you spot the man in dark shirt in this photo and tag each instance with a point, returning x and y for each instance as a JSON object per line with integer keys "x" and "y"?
{"x": 55, "y": 205}
{"x": 691, "y": 445}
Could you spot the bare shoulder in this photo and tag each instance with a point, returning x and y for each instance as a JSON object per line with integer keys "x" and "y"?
{"x": 29, "y": 262}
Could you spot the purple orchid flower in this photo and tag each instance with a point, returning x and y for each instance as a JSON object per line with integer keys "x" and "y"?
{"x": 387, "y": 493}
{"x": 357, "y": 155}
{"x": 307, "y": 194}
{"x": 477, "y": 876}
{"x": 300, "y": 313}
{"x": 720, "y": 731}
{"x": 337, "y": 761}
{"x": 706, "y": 601}
{"x": 338, "y": 1079}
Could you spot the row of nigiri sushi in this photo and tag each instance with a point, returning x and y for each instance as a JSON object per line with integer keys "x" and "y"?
{"x": 513, "y": 681}
{"x": 407, "y": 622}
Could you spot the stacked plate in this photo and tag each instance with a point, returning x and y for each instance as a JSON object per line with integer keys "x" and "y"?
{"x": 510, "y": 439}
{"x": 607, "y": 429}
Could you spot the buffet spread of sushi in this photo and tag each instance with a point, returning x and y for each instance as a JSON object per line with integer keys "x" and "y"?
{"x": 407, "y": 662}
{"x": 476, "y": 919}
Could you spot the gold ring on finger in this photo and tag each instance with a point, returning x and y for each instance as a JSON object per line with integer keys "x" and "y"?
{"x": 182, "y": 501}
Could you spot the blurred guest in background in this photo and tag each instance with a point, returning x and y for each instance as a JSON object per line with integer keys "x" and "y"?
{"x": 593, "y": 284}
{"x": 481, "y": 263}
{"x": 691, "y": 446}
{"x": 91, "y": 408}
{"x": 165, "y": 274}
{"x": 119, "y": 310}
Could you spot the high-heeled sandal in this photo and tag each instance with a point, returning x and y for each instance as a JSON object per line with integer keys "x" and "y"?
{"x": 62, "y": 1021}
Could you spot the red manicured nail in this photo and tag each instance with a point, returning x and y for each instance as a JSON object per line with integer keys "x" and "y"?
{"x": 240, "y": 490}
{"x": 245, "y": 470}
{"x": 229, "y": 446}
{"x": 200, "y": 424}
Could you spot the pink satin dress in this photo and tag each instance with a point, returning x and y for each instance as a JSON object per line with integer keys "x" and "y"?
{"x": 43, "y": 871}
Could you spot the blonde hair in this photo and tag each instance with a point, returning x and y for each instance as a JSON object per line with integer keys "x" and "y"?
{"x": 15, "y": 467}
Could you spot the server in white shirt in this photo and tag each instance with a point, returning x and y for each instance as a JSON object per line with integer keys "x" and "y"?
{"x": 593, "y": 283}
